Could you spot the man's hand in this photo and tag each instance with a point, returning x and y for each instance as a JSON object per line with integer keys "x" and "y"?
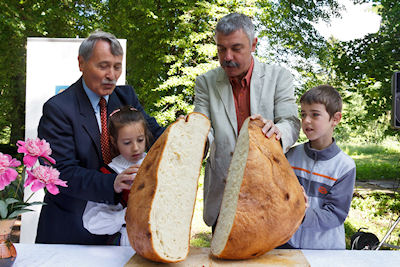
{"x": 125, "y": 179}
{"x": 269, "y": 127}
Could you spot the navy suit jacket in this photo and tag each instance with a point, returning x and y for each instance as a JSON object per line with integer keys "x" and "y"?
{"x": 69, "y": 124}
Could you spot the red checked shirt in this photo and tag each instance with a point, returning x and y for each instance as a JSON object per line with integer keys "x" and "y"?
{"x": 241, "y": 95}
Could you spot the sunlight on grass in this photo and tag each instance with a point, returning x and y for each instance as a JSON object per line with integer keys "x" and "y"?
{"x": 376, "y": 212}
{"x": 200, "y": 232}
{"x": 201, "y": 240}
{"x": 375, "y": 162}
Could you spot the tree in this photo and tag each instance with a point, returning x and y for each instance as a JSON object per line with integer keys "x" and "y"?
{"x": 366, "y": 66}
{"x": 289, "y": 27}
{"x": 170, "y": 43}
{"x": 22, "y": 19}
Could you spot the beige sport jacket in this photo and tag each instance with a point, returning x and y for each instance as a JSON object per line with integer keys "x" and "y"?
{"x": 271, "y": 95}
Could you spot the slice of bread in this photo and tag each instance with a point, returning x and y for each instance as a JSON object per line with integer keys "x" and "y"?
{"x": 263, "y": 203}
{"x": 162, "y": 198}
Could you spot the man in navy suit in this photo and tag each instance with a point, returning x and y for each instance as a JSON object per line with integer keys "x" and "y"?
{"x": 71, "y": 124}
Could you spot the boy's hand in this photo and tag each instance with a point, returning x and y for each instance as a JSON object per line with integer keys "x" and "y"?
{"x": 305, "y": 197}
{"x": 269, "y": 127}
{"x": 125, "y": 179}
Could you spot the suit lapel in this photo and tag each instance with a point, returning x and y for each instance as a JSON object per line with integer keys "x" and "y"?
{"x": 224, "y": 89}
{"x": 256, "y": 87}
{"x": 89, "y": 122}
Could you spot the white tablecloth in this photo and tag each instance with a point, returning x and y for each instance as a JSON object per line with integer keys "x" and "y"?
{"x": 41, "y": 255}
{"x": 32, "y": 255}
{"x": 353, "y": 258}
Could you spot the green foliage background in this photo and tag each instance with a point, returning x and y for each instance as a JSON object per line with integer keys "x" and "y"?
{"x": 171, "y": 42}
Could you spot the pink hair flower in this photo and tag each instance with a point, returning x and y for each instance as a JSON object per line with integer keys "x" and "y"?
{"x": 7, "y": 173}
{"x": 33, "y": 149}
{"x": 45, "y": 176}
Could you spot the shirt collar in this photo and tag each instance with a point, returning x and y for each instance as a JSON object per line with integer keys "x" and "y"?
{"x": 245, "y": 81}
{"x": 93, "y": 97}
{"x": 324, "y": 154}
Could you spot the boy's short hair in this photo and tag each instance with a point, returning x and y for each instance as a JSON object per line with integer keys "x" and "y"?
{"x": 325, "y": 95}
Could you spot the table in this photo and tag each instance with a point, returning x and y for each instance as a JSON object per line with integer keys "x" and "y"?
{"x": 353, "y": 258}
{"x": 43, "y": 255}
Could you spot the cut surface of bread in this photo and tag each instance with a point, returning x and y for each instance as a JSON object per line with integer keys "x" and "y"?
{"x": 162, "y": 198}
{"x": 263, "y": 203}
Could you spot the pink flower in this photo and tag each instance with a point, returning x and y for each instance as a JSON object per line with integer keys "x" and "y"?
{"x": 44, "y": 176}
{"x": 33, "y": 149}
{"x": 7, "y": 174}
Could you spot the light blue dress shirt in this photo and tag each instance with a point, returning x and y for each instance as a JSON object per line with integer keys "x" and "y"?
{"x": 94, "y": 101}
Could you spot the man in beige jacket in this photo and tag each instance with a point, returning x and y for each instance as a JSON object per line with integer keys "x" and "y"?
{"x": 227, "y": 95}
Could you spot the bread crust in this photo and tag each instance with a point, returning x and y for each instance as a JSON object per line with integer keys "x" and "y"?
{"x": 271, "y": 203}
{"x": 141, "y": 197}
{"x": 140, "y": 201}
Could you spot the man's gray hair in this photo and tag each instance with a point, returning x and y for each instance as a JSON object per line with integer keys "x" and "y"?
{"x": 86, "y": 48}
{"x": 233, "y": 22}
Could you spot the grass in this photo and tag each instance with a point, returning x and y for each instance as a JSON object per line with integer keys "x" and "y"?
{"x": 201, "y": 233}
{"x": 374, "y": 162}
{"x": 371, "y": 209}
{"x": 374, "y": 210}
{"x": 202, "y": 239}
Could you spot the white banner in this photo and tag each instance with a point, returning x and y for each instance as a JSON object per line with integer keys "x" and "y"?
{"x": 51, "y": 66}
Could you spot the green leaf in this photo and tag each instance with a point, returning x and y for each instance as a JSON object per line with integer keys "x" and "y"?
{"x": 23, "y": 205}
{"x": 18, "y": 212}
{"x": 36, "y": 203}
{"x": 20, "y": 206}
{"x": 11, "y": 200}
{"x": 3, "y": 209}
{"x": 27, "y": 204}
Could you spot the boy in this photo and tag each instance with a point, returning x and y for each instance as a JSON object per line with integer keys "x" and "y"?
{"x": 324, "y": 170}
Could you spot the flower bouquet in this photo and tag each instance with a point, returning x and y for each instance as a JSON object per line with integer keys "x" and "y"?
{"x": 12, "y": 177}
{"x": 12, "y": 183}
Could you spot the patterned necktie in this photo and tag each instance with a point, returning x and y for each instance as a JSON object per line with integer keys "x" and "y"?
{"x": 104, "y": 139}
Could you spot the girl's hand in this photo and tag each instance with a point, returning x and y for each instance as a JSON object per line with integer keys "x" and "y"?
{"x": 125, "y": 179}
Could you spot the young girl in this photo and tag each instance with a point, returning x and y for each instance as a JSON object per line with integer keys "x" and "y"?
{"x": 129, "y": 136}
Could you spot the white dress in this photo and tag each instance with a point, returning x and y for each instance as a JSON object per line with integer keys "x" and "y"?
{"x": 106, "y": 219}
